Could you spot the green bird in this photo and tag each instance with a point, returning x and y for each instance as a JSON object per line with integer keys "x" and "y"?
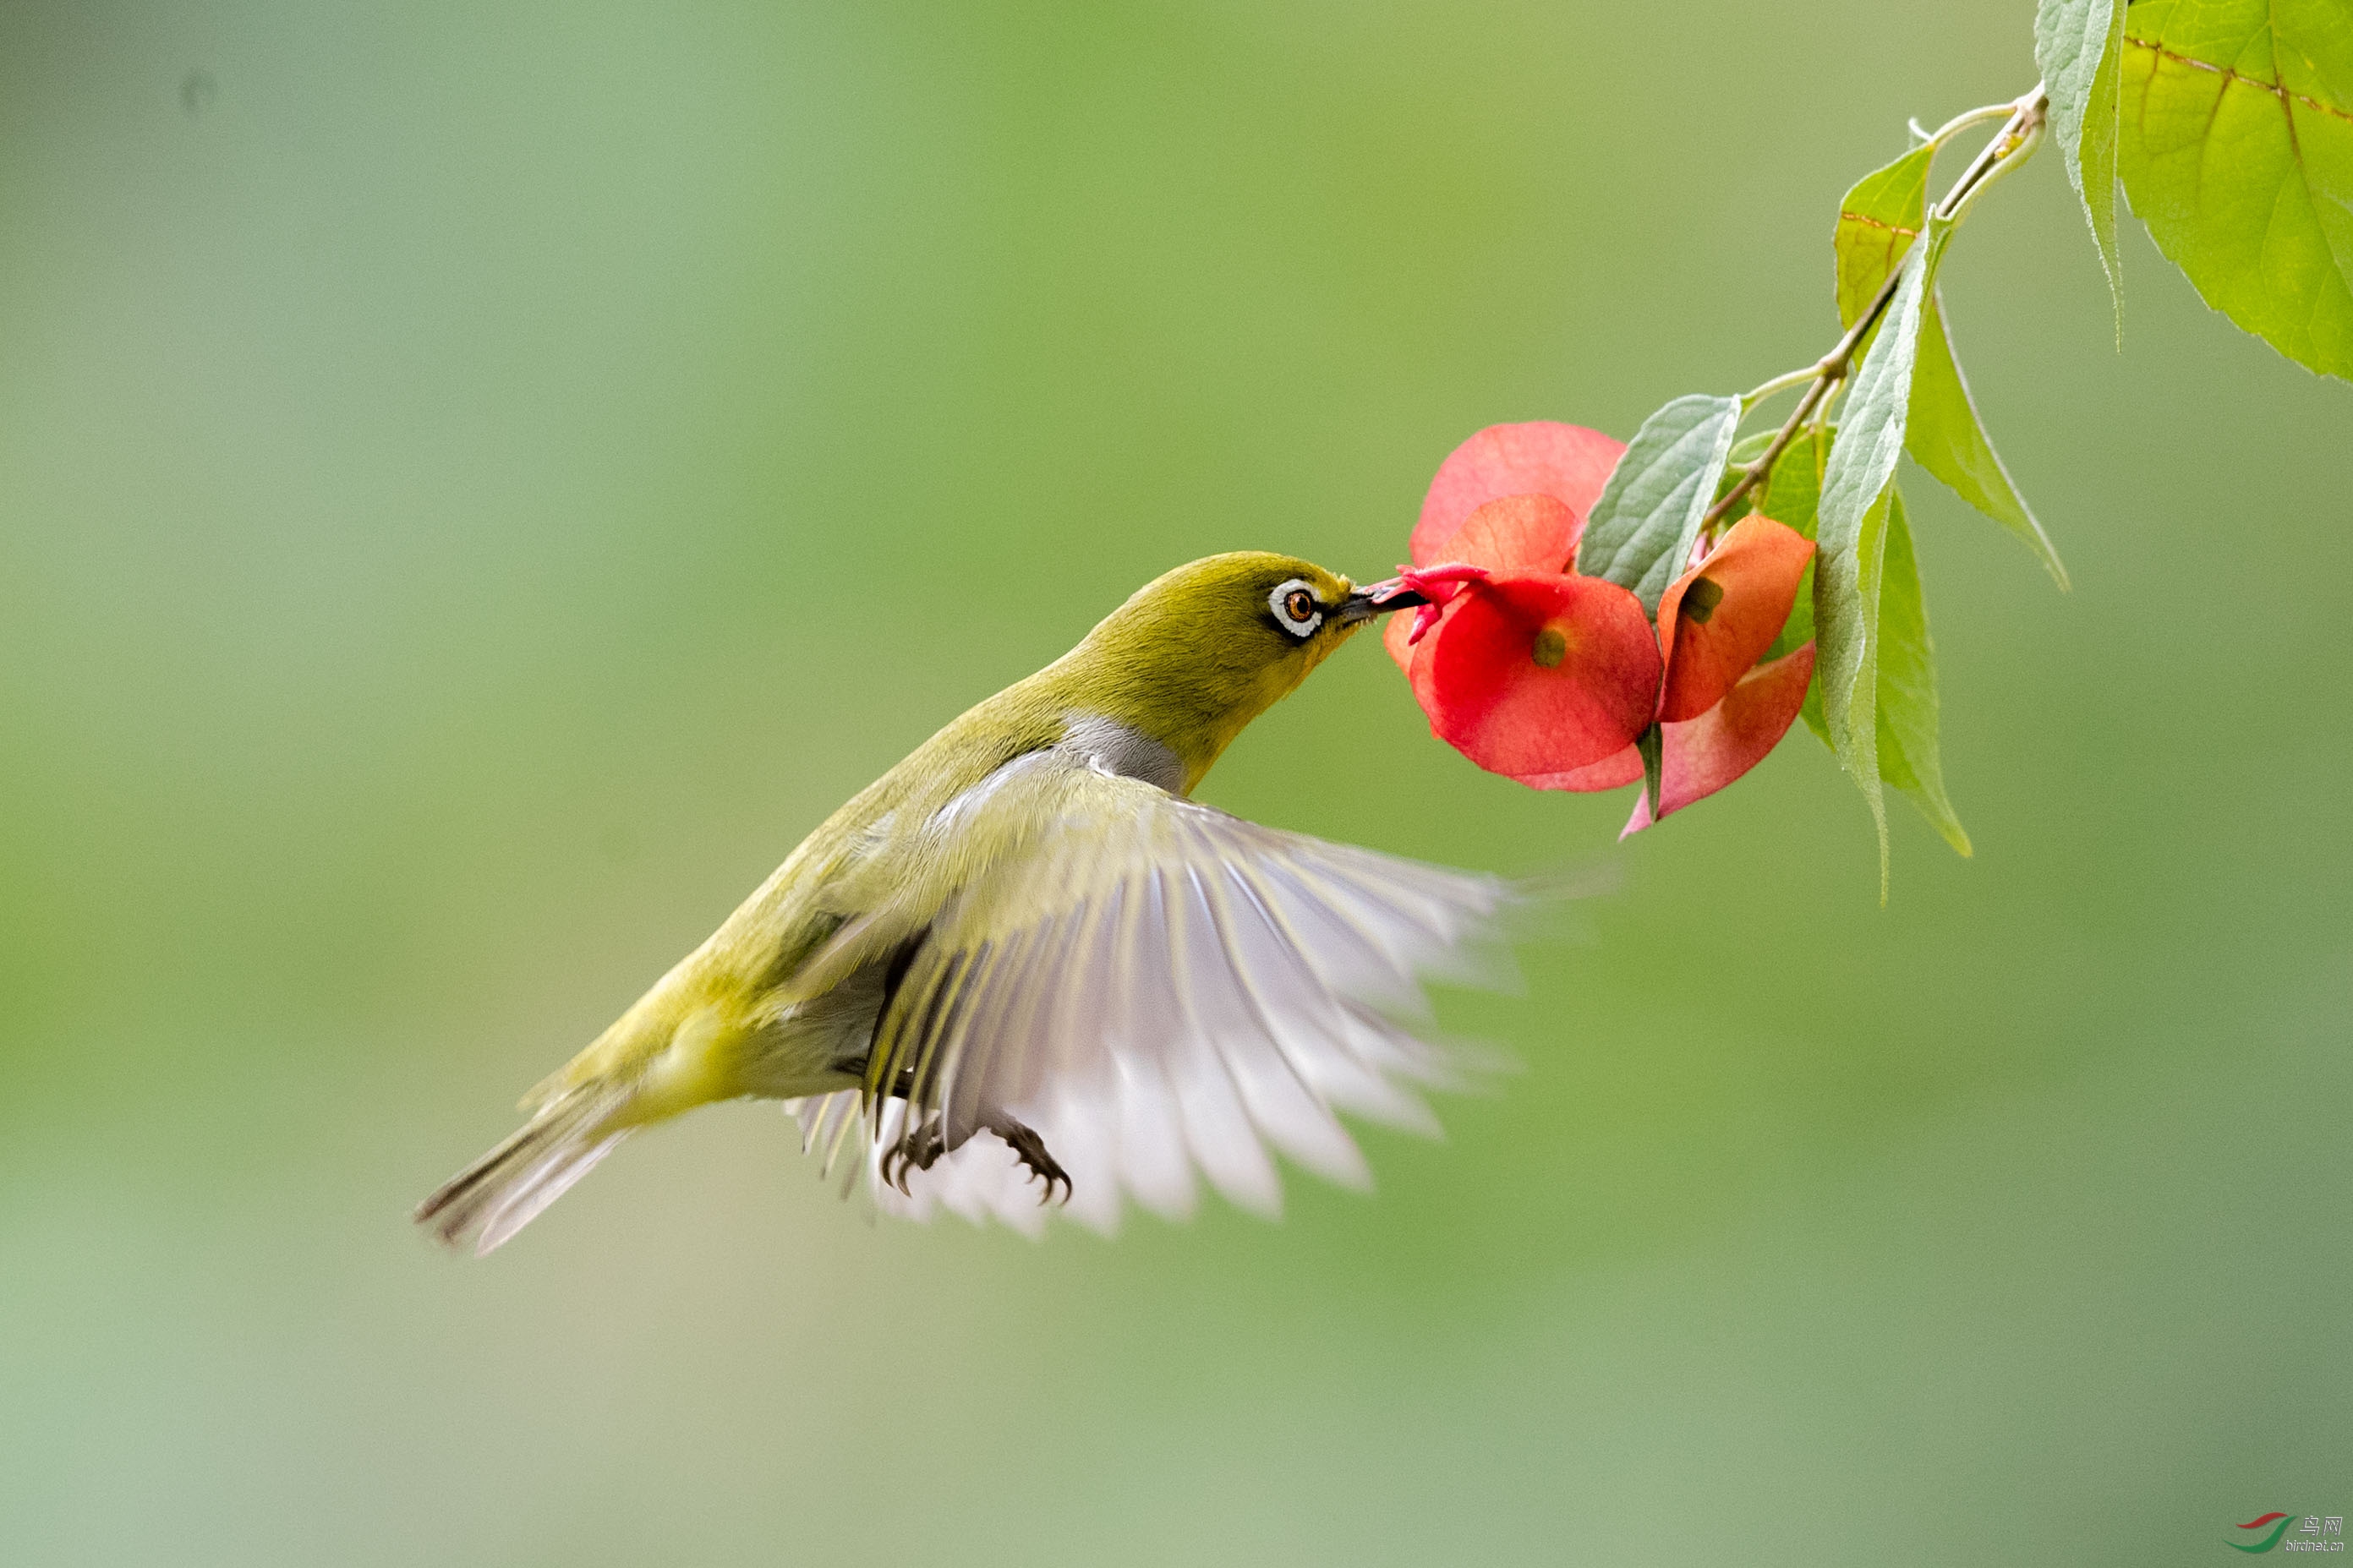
{"x": 1027, "y": 928}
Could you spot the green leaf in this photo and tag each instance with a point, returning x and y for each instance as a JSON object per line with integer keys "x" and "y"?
{"x": 1811, "y": 710}
{"x": 1793, "y": 491}
{"x": 2077, "y": 45}
{"x": 1871, "y": 434}
{"x": 1946, "y": 436}
{"x": 1640, "y": 530}
{"x": 1850, "y": 530}
{"x": 2238, "y": 154}
{"x": 1744, "y": 451}
{"x": 1791, "y": 495}
{"x": 1906, "y": 720}
{"x": 1878, "y": 220}
{"x": 1845, "y": 691}
{"x": 1794, "y": 496}
{"x": 1799, "y": 629}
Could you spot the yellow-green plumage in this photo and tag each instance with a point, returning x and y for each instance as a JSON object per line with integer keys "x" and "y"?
{"x": 917, "y": 944}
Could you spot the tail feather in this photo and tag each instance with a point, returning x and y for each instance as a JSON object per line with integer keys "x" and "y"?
{"x": 485, "y": 1203}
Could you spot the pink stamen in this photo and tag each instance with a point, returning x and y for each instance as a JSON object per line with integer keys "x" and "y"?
{"x": 1437, "y": 585}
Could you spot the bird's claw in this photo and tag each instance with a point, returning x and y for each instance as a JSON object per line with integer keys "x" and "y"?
{"x": 1031, "y": 1150}
{"x": 921, "y": 1149}
{"x": 918, "y": 1150}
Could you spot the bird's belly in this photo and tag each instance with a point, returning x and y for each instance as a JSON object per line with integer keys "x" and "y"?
{"x": 813, "y": 1047}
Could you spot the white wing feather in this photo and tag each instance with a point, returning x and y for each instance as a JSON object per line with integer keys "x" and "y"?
{"x": 1156, "y": 987}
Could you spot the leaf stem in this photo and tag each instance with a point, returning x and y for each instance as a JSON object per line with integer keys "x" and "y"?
{"x": 1962, "y": 121}
{"x": 2010, "y": 146}
{"x": 1822, "y": 414}
{"x": 1780, "y": 383}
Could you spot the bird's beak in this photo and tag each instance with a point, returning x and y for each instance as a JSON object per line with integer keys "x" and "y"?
{"x": 1376, "y": 599}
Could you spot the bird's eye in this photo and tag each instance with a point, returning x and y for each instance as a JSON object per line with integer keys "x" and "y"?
{"x": 1296, "y": 608}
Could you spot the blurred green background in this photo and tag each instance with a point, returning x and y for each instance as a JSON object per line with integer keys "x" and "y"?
{"x": 478, "y": 482}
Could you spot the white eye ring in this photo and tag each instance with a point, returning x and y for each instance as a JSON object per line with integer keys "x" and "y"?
{"x": 1301, "y": 627}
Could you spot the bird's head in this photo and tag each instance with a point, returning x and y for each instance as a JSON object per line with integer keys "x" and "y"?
{"x": 1198, "y": 653}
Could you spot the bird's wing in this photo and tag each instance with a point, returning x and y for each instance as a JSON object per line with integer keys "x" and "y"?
{"x": 1151, "y": 986}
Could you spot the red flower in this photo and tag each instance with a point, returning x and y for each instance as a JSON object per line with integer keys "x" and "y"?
{"x": 1544, "y": 457}
{"x": 1567, "y": 464}
{"x": 1705, "y": 754}
{"x": 1533, "y": 672}
{"x": 1717, "y": 620}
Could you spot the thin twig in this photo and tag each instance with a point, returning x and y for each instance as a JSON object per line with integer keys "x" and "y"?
{"x": 2004, "y": 152}
{"x": 1826, "y": 374}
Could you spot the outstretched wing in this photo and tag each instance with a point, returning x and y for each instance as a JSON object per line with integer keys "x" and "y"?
{"x": 1153, "y": 985}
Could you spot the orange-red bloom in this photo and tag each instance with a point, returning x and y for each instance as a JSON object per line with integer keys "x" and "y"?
{"x": 1705, "y": 754}
{"x": 1532, "y": 670}
{"x": 1527, "y": 466}
{"x": 1542, "y": 458}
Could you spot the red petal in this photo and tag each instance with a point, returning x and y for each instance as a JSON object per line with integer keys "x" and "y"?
{"x": 1517, "y": 534}
{"x": 1713, "y": 634}
{"x": 1611, "y": 773}
{"x": 1393, "y": 637}
{"x": 1566, "y": 462}
{"x": 1478, "y": 678}
{"x": 1703, "y": 754}
{"x": 1511, "y": 533}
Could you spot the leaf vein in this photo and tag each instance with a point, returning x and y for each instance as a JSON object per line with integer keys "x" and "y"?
{"x": 2283, "y": 94}
{"x": 1875, "y": 223}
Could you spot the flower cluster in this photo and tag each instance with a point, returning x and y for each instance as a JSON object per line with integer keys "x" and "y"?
{"x": 1532, "y": 670}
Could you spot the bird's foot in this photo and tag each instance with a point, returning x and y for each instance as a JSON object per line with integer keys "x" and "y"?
{"x": 1031, "y": 1150}
{"x": 918, "y": 1150}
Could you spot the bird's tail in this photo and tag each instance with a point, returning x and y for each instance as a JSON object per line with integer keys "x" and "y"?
{"x": 503, "y": 1190}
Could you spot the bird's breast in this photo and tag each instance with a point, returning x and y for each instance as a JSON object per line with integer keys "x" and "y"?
{"x": 1122, "y": 749}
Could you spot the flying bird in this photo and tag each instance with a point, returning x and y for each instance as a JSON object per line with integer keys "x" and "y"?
{"x": 1024, "y": 965}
